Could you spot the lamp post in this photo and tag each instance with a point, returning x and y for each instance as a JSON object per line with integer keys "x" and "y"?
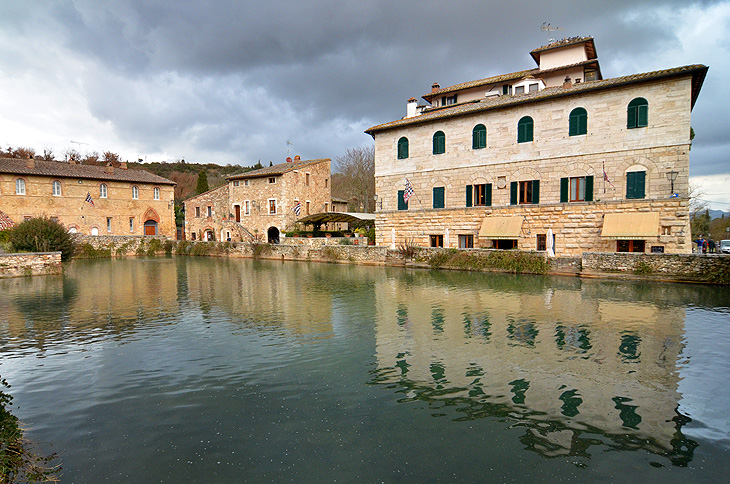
{"x": 671, "y": 176}
{"x": 375, "y": 199}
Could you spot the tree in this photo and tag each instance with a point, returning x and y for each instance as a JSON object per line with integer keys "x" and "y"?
{"x": 48, "y": 154}
{"x": 43, "y": 235}
{"x": 357, "y": 183}
{"x": 700, "y": 224}
{"x": 109, "y": 157}
{"x": 202, "y": 185}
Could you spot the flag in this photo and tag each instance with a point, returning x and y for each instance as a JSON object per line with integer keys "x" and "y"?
{"x": 88, "y": 199}
{"x": 297, "y": 208}
{"x": 408, "y": 192}
{"x": 605, "y": 176}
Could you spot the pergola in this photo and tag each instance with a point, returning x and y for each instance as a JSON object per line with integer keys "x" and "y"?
{"x": 327, "y": 217}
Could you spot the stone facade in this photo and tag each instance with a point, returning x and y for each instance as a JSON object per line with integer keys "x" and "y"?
{"x": 125, "y": 202}
{"x": 260, "y": 204}
{"x": 35, "y": 264}
{"x": 552, "y": 157}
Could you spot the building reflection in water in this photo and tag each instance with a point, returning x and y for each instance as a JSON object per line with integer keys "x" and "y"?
{"x": 575, "y": 366}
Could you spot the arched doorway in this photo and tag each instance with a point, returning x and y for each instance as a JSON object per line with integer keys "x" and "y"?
{"x": 209, "y": 235}
{"x": 150, "y": 227}
{"x": 94, "y": 231}
{"x": 273, "y": 234}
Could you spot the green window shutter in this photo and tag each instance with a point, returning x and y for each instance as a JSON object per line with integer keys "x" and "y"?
{"x": 469, "y": 195}
{"x": 640, "y": 184}
{"x": 564, "y": 187}
{"x": 402, "y": 205}
{"x": 578, "y": 123}
{"x": 513, "y": 193}
{"x": 403, "y": 148}
{"x": 438, "y": 197}
{"x": 479, "y": 137}
{"x": 589, "y": 189}
{"x": 573, "y": 126}
{"x": 583, "y": 123}
{"x": 489, "y": 194}
{"x": 631, "y": 117}
{"x": 630, "y": 184}
{"x": 643, "y": 116}
{"x": 524, "y": 130}
{"x": 535, "y": 191}
{"x": 637, "y": 113}
{"x": 439, "y": 143}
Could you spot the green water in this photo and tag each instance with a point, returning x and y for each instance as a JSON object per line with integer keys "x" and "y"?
{"x": 215, "y": 370}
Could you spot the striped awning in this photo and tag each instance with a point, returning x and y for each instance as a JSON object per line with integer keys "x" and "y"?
{"x": 628, "y": 226}
{"x": 501, "y": 227}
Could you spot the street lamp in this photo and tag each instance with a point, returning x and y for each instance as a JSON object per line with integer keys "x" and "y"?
{"x": 671, "y": 176}
{"x": 375, "y": 199}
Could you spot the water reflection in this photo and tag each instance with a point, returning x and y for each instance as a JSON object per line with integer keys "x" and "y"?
{"x": 576, "y": 365}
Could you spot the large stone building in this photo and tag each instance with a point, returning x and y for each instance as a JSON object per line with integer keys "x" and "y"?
{"x": 88, "y": 199}
{"x": 260, "y": 204}
{"x": 498, "y": 162}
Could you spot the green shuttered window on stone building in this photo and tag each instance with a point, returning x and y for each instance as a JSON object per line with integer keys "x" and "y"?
{"x": 637, "y": 113}
{"x": 578, "y": 123}
{"x": 479, "y": 137}
{"x": 402, "y": 205}
{"x": 439, "y": 143}
{"x": 635, "y": 184}
{"x": 439, "y": 197}
{"x": 525, "y": 130}
{"x": 403, "y": 148}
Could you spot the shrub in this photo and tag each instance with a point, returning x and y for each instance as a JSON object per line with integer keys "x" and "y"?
{"x": 408, "y": 250}
{"x": 509, "y": 261}
{"x": 183, "y": 247}
{"x": 258, "y": 249}
{"x": 167, "y": 247}
{"x": 201, "y": 248}
{"x": 642, "y": 268}
{"x": 155, "y": 246}
{"x": 43, "y": 234}
{"x": 87, "y": 251}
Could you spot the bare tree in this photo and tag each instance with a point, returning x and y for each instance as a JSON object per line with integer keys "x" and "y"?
{"x": 48, "y": 153}
{"x": 71, "y": 155}
{"x": 108, "y": 157}
{"x": 357, "y": 184}
{"x": 22, "y": 152}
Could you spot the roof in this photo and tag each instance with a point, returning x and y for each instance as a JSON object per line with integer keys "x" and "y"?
{"x": 481, "y": 82}
{"x": 697, "y": 71}
{"x": 5, "y": 222}
{"x": 325, "y": 217}
{"x": 590, "y": 47}
{"x": 635, "y": 225}
{"x": 222, "y": 187}
{"x": 276, "y": 170}
{"x": 58, "y": 169}
{"x": 339, "y": 200}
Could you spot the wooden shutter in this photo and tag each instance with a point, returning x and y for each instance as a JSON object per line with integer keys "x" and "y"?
{"x": 489, "y": 195}
{"x": 438, "y": 197}
{"x": 403, "y": 148}
{"x": 640, "y": 184}
{"x": 564, "y": 189}
{"x": 513, "y": 193}
{"x": 469, "y": 195}
{"x": 402, "y": 205}
{"x": 630, "y": 184}
{"x": 631, "y": 117}
{"x": 535, "y": 191}
{"x": 589, "y": 189}
{"x": 642, "y": 115}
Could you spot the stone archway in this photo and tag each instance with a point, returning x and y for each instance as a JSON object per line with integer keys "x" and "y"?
{"x": 151, "y": 222}
{"x": 273, "y": 235}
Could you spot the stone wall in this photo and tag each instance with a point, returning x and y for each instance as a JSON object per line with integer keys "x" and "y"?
{"x": 119, "y": 245}
{"x": 34, "y": 264}
{"x": 685, "y": 267}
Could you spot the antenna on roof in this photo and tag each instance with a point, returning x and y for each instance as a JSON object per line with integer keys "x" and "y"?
{"x": 545, "y": 27}
{"x": 288, "y": 144}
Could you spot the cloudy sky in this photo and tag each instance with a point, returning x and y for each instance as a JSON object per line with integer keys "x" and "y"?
{"x": 233, "y": 81}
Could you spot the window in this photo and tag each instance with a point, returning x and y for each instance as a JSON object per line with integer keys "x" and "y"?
{"x": 436, "y": 240}
{"x": 519, "y": 89}
{"x": 135, "y": 192}
{"x": 525, "y": 192}
{"x": 479, "y": 195}
{"x": 402, "y": 204}
{"x": 541, "y": 242}
{"x": 94, "y": 230}
{"x": 326, "y": 182}
{"x": 131, "y": 224}
{"x": 245, "y": 183}
{"x": 157, "y": 193}
{"x": 247, "y": 207}
{"x": 326, "y": 207}
{"x": 20, "y": 186}
{"x": 439, "y": 197}
{"x": 306, "y": 179}
{"x": 479, "y": 137}
{"x": 197, "y": 211}
{"x": 56, "y": 188}
{"x": 102, "y": 190}
{"x": 209, "y": 211}
{"x": 306, "y": 207}
{"x": 578, "y": 122}
{"x": 524, "y": 130}
{"x": 447, "y": 100}
{"x": 108, "y": 224}
{"x": 635, "y": 184}
{"x": 272, "y": 179}
{"x": 466, "y": 241}
{"x": 403, "y": 148}
{"x": 439, "y": 143}
{"x": 506, "y": 90}
{"x": 236, "y": 183}
{"x": 193, "y": 236}
{"x": 272, "y": 206}
{"x": 534, "y": 87}
{"x": 630, "y": 245}
{"x": 637, "y": 113}
{"x": 576, "y": 189}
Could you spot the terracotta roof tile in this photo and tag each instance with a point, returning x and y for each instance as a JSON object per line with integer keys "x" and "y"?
{"x": 698, "y": 72}
{"x": 5, "y": 222}
{"x": 67, "y": 170}
{"x": 276, "y": 170}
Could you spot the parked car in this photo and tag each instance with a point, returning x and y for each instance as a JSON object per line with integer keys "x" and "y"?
{"x": 725, "y": 246}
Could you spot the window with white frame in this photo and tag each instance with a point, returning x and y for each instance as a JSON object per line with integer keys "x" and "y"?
{"x": 272, "y": 179}
{"x": 157, "y": 193}
{"x": 56, "y": 188}
{"x": 245, "y": 183}
{"x": 108, "y": 224}
{"x": 103, "y": 190}
{"x": 131, "y": 224}
{"x": 135, "y": 192}
{"x": 20, "y": 186}
{"x": 209, "y": 211}
{"x": 247, "y": 207}
{"x": 272, "y": 206}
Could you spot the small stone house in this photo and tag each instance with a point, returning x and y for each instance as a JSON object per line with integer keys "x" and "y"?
{"x": 501, "y": 162}
{"x": 88, "y": 199}
{"x": 260, "y": 204}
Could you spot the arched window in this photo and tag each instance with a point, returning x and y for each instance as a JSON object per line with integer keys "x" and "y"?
{"x": 403, "y": 148}
{"x": 524, "y": 130}
{"x": 439, "y": 143}
{"x": 479, "y": 137}
{"x": 56, "y": 188}
{"x": 157, "y": 193}
{"x": 20, "y": 186}
{"x": 578, "y": 123}
{"x": 102, "y": 190}
{"x": 637, "y": 113}
{"x": 135, "y": 192}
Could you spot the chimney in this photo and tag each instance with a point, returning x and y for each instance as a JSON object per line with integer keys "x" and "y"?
{"x": 30, "y": 163}
{"x": 577, "y": 80}
{"x": 297, "y": 158}
{"x": 435, "y": 87}
{"x": 109, "y": 168}
{"x": 411, "y": 107}
{"x": 288, "y": 159}
{"x": 123, "y": 165}
{"x": 566, "y": 83}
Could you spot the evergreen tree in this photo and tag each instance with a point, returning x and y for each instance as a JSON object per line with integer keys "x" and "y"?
{"x": 202, "y": 185}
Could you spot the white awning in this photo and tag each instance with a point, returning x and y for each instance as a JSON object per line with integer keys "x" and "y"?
{"x": 501, "y": 227}
{"x": 628, "y": 226}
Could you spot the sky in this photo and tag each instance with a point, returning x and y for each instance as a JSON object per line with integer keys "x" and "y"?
{"x": 238, "y": 81}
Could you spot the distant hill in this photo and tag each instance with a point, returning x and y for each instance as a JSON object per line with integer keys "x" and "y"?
{"x": 718, "y": 214}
